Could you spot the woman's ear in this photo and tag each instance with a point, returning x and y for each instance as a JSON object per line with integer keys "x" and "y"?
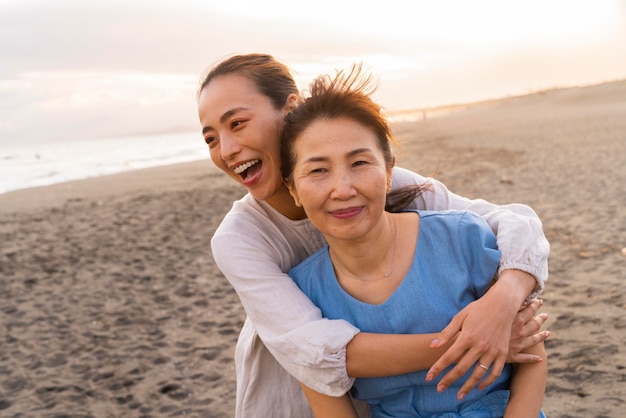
{"x": 293, "y": 192}
{"x": 390, "y": 176}
{"x": 291, "y": 102}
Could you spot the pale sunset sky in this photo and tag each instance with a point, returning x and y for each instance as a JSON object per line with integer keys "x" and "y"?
{"x": 74, "y": 69}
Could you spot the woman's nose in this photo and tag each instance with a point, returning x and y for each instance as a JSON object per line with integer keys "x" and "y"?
{"x": 228, "y": 147}
{"x": 342, "y": 187}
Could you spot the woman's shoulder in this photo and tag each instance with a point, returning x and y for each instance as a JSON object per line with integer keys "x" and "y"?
{"x": 451, "y": 215}
{"x": 455, "y": 220}
{"x": 255, "y": 229}
{"x": 312, "y": 264}
{"x": 249, "y": 214}
{"x": 243, "y": 214}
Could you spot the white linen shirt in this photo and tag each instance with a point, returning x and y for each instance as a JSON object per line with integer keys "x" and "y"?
{"x": 284, "y": 339}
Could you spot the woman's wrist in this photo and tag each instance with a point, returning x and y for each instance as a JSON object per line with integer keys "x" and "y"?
{"x": 514, "y": 286}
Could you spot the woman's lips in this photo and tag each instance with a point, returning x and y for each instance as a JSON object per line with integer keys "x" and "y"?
{"x": 243, "y": 167}
{"x": 347, "y": 212}
{"x": 251, "y": 174}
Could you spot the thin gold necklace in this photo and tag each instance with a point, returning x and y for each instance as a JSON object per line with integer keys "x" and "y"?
{"x": 395, "y": 243}
{"x": 338, "y": 264}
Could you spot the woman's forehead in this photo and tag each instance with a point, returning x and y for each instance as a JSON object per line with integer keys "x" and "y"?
{"x": 228, "y": 92}
{"x": 230, "y": 85}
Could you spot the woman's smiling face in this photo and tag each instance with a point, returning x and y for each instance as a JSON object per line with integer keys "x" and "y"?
{"x": 340, "y": 177}
{"x": 242, "y": 128}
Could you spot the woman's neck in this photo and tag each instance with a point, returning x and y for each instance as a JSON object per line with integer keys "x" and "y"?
{"x": 284, "y": 203}
{"x": 372, "y": 270}
{"x": 370, "y": 258}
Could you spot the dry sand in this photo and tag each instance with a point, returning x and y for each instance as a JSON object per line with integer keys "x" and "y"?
{"x": 111, "y": 305}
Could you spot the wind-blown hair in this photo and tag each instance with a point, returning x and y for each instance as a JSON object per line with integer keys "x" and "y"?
{"x": 346, "y": 95}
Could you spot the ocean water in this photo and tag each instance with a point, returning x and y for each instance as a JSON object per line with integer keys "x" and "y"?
{"x": 40, "y": 164}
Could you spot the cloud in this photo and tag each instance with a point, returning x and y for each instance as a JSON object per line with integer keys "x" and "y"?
{"x": 74, "y": 69}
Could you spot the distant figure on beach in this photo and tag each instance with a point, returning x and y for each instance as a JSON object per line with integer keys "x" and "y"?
{"x": 242, "y": 102}
{"x": 405, "y": 272}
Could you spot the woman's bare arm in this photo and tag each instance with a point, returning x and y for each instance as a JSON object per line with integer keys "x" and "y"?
{"x": 528, "y": 386}
{"x": 378, "y": 355}
{"x": 325, "y": 406}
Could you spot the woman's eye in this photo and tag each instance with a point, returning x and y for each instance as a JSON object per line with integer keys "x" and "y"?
{"x": 209, "y": 140}
{"x": 236, "y": 123}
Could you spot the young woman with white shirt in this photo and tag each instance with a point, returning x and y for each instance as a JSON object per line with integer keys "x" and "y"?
{"x": 242, "y": 102}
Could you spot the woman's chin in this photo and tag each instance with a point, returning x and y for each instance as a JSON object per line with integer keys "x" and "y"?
{"x": 258, "y": 191}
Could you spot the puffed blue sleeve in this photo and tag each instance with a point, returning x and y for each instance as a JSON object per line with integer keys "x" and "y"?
{"x": 480, "y": 251}
{"x": 518, "y": 229}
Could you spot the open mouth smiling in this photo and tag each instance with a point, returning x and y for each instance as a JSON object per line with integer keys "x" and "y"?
{"x": 247, "y": 169}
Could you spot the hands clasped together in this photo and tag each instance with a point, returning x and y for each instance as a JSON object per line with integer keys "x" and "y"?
{"x": 486, "y": 341}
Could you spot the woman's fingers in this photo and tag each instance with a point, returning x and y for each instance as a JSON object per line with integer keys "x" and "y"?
{"x": 519, "y": 357}
{"x": 448, "y": 333}
{"x": 526, "y": 330}
{"x": 486, "y": 372}
{"x": 528, "y": 312}
{"x": 452, "y": 354}
{"x": 482, "y": 368}
{"x": 495, "y": 372}
{"x": 457, "y": 371}
{"x": 492, "y": 360}
{"x": 534, "y": 326}
{"x": 531, "y": 327}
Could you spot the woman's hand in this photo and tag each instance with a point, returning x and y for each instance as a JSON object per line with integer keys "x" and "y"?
{"x": 487, "y": 338}
{"x": 526, "y": 333}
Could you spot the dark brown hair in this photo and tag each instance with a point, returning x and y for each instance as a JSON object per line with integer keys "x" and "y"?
{"x": 346, "y": 95}
{"x": 271, "y": 77}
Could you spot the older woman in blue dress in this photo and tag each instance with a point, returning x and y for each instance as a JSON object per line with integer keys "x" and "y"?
{"x": 384, "y": 272}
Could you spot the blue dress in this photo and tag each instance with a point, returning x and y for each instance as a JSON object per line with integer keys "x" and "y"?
{"x": 455, "y": 261}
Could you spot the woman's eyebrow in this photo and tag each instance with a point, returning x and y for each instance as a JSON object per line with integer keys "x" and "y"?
{"x": 350, "y": 154}
{"x": 358, "y": 151}
{"x": 225, "y": 116}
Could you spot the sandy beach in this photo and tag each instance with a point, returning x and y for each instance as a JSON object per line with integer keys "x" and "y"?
{"x": 111, "y": 304}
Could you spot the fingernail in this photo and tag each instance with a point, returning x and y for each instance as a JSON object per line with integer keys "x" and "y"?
{"x": 429, "y": 377}
{"x": 460, "y": 396}
{"x": 544, "y": 316}
{"x": 540, "y": 302}
{"x": 441, "y": 388}
{"x": 434, "y": 343}
{"x": 547, "y": 334}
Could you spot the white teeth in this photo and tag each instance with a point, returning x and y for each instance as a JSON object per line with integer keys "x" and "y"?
{"x": 243, "y": 167}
